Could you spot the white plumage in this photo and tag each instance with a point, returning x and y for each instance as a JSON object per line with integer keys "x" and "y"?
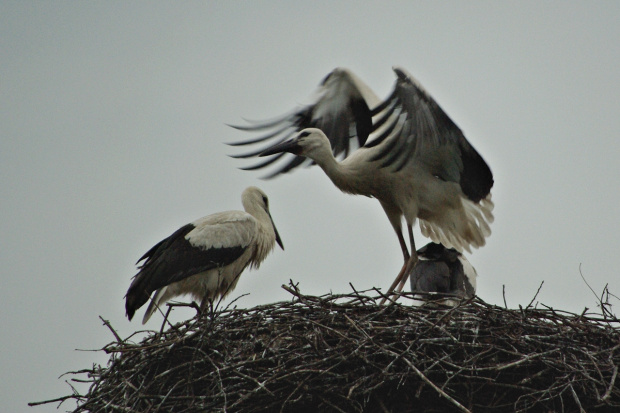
{"x": 206, "y": 257}
{"x": 412, "y": 158}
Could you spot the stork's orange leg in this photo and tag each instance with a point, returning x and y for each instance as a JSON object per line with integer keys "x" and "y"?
{"x": 410, "y": 262}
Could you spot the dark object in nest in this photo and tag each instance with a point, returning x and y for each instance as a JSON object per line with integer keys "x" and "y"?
{"x": 345, "y": 353}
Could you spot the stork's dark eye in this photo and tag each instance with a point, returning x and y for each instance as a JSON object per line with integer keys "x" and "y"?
{"x": 304, "y": 134}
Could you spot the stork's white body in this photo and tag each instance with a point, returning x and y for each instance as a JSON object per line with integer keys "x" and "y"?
{"x": 446, "y": 215}
{"x": 206, "y": 257}
{"x": 220, "y": 230}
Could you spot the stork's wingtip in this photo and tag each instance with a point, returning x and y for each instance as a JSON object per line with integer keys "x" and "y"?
{"x": 400, "y": 72}
{"x": 262, "y": 178}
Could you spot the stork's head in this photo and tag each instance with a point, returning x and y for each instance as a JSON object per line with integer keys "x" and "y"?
{"x": 253, "y": 200}
{"x": 310, "y": 142}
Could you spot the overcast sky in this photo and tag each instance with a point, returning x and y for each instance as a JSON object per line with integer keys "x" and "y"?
{"x": 113, "y": 122}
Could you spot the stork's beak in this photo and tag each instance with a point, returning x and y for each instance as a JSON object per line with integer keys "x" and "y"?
{"x": 278, "y": 239}
{"x": 287, "y": 146}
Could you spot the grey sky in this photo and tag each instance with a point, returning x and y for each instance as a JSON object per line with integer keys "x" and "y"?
{"x": 112, "y": 125}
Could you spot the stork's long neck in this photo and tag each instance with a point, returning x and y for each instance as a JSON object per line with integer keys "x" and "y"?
{"x": 265, "y": 241}
{"x": 346, "y": 178}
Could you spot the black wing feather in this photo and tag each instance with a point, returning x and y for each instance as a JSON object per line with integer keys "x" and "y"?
{"x": 428, "y": 133}
{"x": 344, "y": 123}
{"x": 260, "y": 138}
{"x": 171, "y": 260}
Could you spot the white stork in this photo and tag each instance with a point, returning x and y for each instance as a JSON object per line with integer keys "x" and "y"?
{"x": 445, "y": 271}
{"x": 412, "y": 158}
{"x": 206, "y": 257}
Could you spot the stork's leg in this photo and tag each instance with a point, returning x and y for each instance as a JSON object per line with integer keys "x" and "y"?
{"x": 410, "y": 262}
{"x": 206, "y": 306}
{"x": 395, "y": 217}
{"x": 403, "y": 270}
{"x": 403, "y": 244}
{"x": 413, "y": 260}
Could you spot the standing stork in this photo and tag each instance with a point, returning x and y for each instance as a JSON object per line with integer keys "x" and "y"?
{"x": 445, "y": 271}
{"x": 206, "y": 257}
{"x": 411, "y": 157}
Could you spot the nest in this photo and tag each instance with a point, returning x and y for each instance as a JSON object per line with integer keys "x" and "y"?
{"x": 345, "y": 353}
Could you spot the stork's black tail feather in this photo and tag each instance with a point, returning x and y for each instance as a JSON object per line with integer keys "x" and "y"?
{"x": 136, "y": 296}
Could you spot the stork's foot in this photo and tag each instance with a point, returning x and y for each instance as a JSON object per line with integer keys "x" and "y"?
{"x": 193, "y": 305}
{"x": 395, "y": 283}
{"x": 170, "y": 305}
{"x": 402, "y": 277}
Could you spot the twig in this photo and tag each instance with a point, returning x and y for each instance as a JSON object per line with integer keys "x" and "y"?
{"x": 58, "y": 399}
{"x": 292, "y": 289}
{"x": 430, "y": 383}
{"x": 107, "y": 324}
{"x": 612, "y": 382}
{"x": 535, "y": 295}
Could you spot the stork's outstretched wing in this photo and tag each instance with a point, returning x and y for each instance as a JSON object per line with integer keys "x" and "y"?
{"x": 411, "y": 127}
{"x": 341, "y": 109}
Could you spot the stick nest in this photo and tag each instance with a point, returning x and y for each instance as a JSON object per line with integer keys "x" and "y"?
{"x": 346, "y": 353}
